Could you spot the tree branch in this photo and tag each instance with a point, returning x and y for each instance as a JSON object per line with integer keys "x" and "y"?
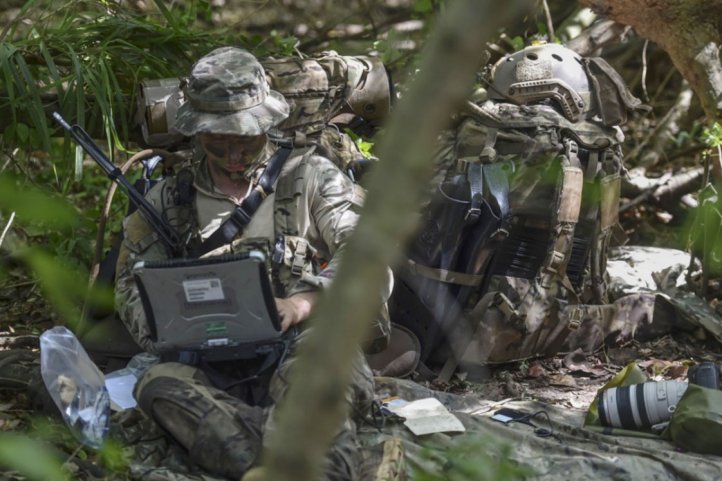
{"x": 687, "y": 30}
{"x": 449, "y": 64}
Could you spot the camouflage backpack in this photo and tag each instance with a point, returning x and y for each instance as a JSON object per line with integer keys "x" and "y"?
{"x": 512, "y": 251}
{"x": 327, "y": 94}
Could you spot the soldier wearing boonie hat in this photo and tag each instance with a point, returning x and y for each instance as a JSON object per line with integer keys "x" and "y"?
{"x": 227, "y": 93}
{"x": 229, "y": 108}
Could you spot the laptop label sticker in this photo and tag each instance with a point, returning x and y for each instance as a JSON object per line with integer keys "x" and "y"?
{"x": 203, "y": 290}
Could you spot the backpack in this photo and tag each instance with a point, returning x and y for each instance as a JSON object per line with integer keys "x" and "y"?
{"x": 327, "y": 94}
{"x": 512, "y": 248}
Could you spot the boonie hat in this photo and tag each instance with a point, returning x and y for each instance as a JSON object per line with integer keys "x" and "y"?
{"x": 227, "y": 93}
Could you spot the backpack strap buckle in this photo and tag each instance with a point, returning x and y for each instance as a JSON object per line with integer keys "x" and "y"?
{"x": 575, "y": 319}
{"x": 299, "y": 257}
{"x": 505, "y": 306}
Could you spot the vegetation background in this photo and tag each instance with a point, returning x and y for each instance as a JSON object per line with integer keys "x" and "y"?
{"x": 85, "y": 59}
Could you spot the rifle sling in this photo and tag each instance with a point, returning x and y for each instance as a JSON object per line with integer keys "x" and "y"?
{"x": 241, "y": 215}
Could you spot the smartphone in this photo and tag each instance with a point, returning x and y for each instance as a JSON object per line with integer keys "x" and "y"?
{"x": 507, "y": 415}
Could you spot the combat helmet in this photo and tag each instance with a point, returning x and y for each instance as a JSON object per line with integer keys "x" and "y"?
{"x": 540, "y": 72}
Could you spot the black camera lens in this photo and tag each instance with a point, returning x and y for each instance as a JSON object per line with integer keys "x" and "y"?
{"x": 705, "y": 374}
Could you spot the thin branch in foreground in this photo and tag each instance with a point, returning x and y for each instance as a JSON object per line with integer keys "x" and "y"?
{"x": 550, "y": 21}
{"x": 7, "y": 228}
{"x": 322, "y": 370}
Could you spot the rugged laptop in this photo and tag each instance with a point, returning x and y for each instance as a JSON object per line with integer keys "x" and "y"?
{"x": 199, "y": 304}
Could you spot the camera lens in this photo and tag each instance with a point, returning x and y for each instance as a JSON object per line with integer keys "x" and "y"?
{"x": 640, "y": 405}
{"x": 706, "y": 374}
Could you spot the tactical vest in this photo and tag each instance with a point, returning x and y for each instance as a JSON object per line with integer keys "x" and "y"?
{"x": 274, "y": 229}
{"x": 515, "y": 236}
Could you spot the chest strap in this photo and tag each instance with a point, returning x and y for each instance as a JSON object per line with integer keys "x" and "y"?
{"x": 241, "y": 215}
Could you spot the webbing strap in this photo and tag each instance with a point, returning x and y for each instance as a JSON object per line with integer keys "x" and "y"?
{"x": 476, "y": 186}
{"x": 496, "y": 180}
{"x": 241, "y": 215}
{"x": 444, "y": 275}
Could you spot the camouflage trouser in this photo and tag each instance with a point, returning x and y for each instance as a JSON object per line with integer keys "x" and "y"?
{"x": 223, "y": 434}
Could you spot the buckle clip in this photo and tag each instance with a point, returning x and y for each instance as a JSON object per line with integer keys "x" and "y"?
{"x": 575, "y": 319}
{"x": 299, "y": 257}
{"x": 505, "y": 306}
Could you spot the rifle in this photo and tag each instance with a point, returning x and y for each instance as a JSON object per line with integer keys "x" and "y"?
{"x": 169, "y": 236}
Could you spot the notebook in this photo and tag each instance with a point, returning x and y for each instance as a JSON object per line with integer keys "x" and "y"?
{"x": 199, "y": 304}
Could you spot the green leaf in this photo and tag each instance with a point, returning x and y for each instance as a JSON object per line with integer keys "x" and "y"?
{"x": 712, "y": 135}
{"x": 32, "y": 205}
{"x": 424, "y": 6}
{"x": 35, "y": 105}
{"x": 64, "y": 286}
{"x": 30, "y": 457}
{"x": 518, "y": 43}
{"x": 114, "y": 457}
{"x": 169, "y": 17}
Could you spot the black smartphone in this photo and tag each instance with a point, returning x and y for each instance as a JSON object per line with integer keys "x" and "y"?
{"x": 507, "y": 415}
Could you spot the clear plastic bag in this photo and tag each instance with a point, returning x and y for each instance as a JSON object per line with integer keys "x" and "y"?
{"x": 75, "y": 384}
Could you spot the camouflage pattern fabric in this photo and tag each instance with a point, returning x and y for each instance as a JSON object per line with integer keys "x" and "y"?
{"x": 555, "y": 195}
{"x": 314, "y": 207}
{"x": 313, "y": 210}
{"x": 323, "y": 87}
{"x": 302, "y": 226}
{"x": 575, "y": 452}
{"x": 227, "y": 93}
{"x": 223, "y": 434}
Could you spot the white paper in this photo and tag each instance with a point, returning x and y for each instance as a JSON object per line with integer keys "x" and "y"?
{"x": 120, "y": 389}
{"x": 427, "y": 416}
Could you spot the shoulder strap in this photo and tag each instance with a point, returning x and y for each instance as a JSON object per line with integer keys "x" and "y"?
{"x": 242, "y": 214}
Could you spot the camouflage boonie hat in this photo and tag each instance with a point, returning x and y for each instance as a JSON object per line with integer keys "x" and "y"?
{"x": 227, "y": 93}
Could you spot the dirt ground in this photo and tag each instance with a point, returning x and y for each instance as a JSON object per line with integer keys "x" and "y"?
{"x": 568, "y": 380}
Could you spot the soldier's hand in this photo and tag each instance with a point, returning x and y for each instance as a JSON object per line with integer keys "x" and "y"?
{"x": 295, "y": 309}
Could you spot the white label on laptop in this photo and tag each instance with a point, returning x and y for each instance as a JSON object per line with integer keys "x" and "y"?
{"x": 203, "y": 290}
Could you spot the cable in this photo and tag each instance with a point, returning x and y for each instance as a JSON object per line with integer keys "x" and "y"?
{"x": 540, "y": 432}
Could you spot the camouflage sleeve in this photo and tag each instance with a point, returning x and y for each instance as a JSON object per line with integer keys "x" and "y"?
{"x": 333, "y": 204}
{"x": 140, "y": 243}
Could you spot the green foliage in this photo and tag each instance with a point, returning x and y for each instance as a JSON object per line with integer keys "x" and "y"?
{"x": 468, "y": 458}
{"x": 424, "y": 6}
{"x": 364, "y": 146}
{"x": 30, "y": 457}
{"x": 518, "y": 43}
{"x": 84, "y": 59}
{"x": 114, "y": 456}
{"x": 712, "y": 135}
{"x": 35, "y": 206}
{"x": 705, "y": 230}
{"x": 62, "y": 285}
{"x": 387, "y": 50}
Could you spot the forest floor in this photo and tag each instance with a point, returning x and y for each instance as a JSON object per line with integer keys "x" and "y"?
{"x": 569, "y": 380}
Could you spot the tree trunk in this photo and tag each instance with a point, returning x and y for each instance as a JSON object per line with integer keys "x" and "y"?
{"x": 314, "y": 406}
{"x": 688, "y": 30}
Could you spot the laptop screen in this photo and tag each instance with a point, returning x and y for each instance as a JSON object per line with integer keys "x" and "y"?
{"x": 195, "y": 304}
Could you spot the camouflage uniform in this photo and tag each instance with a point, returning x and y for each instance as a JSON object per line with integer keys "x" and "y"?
{"x": 307, "y": 218}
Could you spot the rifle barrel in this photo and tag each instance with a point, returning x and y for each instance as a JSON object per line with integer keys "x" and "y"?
{"x": 166, "y": 232}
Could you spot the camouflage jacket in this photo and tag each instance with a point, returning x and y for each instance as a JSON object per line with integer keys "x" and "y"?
{"x": 307, "y": 219}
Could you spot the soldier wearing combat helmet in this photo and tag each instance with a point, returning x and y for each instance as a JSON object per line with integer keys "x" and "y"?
{"x": 230, "y": 111}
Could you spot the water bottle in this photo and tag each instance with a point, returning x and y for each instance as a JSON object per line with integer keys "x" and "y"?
{"x": 75, "y": 384}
